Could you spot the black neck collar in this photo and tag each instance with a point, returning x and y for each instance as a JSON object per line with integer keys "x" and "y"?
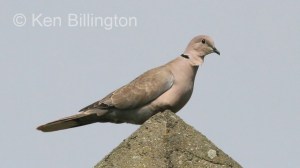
{"x": 185, "y": 56}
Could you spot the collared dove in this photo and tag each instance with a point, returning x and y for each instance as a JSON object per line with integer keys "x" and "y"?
{"x": 169, "y": 86}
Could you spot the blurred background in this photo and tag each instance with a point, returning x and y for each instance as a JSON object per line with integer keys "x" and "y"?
{"x": 246, "y": 101}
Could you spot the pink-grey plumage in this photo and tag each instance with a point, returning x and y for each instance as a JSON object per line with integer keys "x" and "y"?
{"x": 169, "y": 86}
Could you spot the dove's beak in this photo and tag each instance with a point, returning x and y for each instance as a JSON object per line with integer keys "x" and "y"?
{"x": 216, "y": 51}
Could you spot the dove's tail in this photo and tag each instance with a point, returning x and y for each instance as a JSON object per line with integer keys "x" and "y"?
{"x": 70, "y": 122}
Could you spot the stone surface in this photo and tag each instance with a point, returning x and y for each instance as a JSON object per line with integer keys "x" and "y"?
{"x": 166, "y": 141}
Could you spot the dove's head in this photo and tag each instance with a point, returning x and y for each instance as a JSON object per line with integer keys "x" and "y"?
{"x": 200, "y": 46}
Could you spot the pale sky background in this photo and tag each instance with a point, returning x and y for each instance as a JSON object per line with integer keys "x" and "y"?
{"x": 246, "y": 101}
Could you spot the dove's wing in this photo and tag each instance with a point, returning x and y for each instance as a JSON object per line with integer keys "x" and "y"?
{"x": 139, "y": 92}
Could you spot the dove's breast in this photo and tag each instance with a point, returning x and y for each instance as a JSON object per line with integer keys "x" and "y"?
{"x": 180, "y": 93}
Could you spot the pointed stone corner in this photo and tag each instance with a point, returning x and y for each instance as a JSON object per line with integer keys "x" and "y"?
{"x": 166, "y": 141}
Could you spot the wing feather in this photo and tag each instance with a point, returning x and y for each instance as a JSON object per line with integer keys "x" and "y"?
{"x": 138, "y": 92}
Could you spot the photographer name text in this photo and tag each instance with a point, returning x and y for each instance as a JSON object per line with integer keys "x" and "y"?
{"x": 79, "y": 20}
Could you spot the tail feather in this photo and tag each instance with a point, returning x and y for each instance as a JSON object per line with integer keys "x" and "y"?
{"x": 70, "y": 122}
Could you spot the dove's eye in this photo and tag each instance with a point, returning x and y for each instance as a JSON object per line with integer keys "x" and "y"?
{"x": 203, "y": 41}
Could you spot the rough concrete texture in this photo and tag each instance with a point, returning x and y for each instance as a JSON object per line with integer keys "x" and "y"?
{"x": 166, "y": 141}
